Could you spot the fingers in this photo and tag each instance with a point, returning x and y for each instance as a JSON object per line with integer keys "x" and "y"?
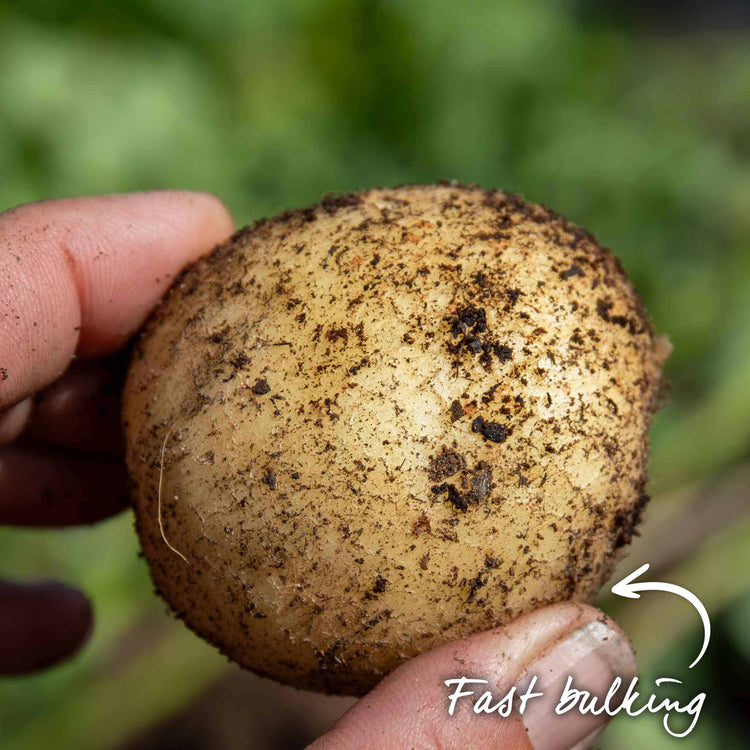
{"x": 40, "y": 624}
{"x": 81, "y": 275}
{"x": 54, "y": 488}
{"x": 81, "y": 409}
{"x": 410, "y": 707}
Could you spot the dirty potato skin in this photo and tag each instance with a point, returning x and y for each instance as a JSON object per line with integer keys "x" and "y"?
{"x": 391, "y": 420}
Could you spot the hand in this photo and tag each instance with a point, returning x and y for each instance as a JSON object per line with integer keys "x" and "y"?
{"x": 409, "y": 708}
{"x": 77, "y": 278}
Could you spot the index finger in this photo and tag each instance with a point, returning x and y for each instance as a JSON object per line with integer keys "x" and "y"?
{"x": 80, "y": 275}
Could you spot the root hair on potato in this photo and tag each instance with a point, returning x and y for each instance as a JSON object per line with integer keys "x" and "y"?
{"x": 158, "y": 495}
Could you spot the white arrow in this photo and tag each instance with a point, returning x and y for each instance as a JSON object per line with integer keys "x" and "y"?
{"x": 627, "y": 588}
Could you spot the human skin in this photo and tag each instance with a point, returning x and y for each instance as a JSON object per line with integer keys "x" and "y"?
{"x": 78, "y": 277}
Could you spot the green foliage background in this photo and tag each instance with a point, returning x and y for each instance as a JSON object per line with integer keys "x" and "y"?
{"x": 635, "y": 131}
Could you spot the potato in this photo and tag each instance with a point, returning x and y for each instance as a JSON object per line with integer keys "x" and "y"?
{"x": 362, "y": 429}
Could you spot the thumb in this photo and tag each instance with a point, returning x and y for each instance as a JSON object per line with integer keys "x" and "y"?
{"x": 409, "y": 708}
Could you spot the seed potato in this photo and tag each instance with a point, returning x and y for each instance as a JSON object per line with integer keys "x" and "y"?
{"x": 362, "y": 429}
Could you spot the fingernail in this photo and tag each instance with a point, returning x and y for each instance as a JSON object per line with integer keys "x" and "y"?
{"x": 13, "y": 421}
{"x": 587, "y": 743}
{"x": 592, "y": 656}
